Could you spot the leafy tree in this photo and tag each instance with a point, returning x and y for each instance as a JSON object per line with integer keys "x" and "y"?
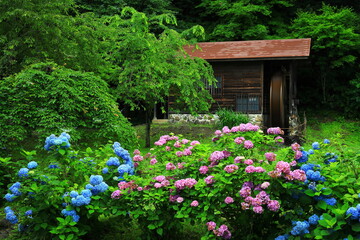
{"x": 335, "y": 41}
{"x": 113, "y": 7}
{"x": 47, "y": 98}
{"x": 38, "y": 30}
{"x": 246, "y": 20}
{"x": 151, "y": 67}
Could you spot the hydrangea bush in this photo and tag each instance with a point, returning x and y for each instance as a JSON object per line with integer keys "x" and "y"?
{"x": 244, "y": 185}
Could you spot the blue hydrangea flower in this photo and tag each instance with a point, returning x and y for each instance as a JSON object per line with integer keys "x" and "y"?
{"x": 124, "y": 168}
{"x": 313, "y": 220}
{"x": 303, "y": 158}
{"x": 96, "y": 179}
{"x": 326, "y": 141}
{"x": 74, "y": 194}
{"x": 62, "y": 140}
{"x": 113, "y": 161}
{"x": 86, "y": 193}
{"x": 23, "y": 172}
{"x": 89, "y": 186}
{"x": 105, "y": 170}
{"x": 11, "y": 217}
{"x": 32, "y": 165}
{"x": 71, "y": 213}
{"x": 282, "y": 237}
{"x": 80, "y": 201}
{"x": 9, "y": 197}
{"x": 316, "y": 146}
{"x": 124, "y": 154}
{"x": 28, "y": 213}
{"x": 311, "y": 151}
{"x": 15, "y": 189}
{"x": 314, "y": 176}
{"x": 308, "y": 166}
{"x": 102, "y": 187}
{"x": 300, "y": 228}
{"x": 353, "y": 212}
{"x": 312, "y": 186}
{"x": 330, "y": 201}
{"x": 53, "y": 166}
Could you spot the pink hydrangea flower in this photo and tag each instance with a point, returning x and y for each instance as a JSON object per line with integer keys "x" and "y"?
{"x": 187, "y": 152}
{"x": 170, "y": 166}
{"x": 279, "y": 139}
{"x": 226, "y": 129}
{"x": 193, "y": 143}
{"x": 136, "y": 164}
{"x": 258, "y": 209}
{"x": 239, "y": 159}
{"x": 211, "y": 225}
{"x": 250, "y": 169}
{"x": 203, "y": 169}
{"x": 245, "y": 192}
{"x": 245, "y": 206}
{"x": 179, "y": 153}
{"x": 194, "y": 203}
{"x": 299, "y": 175}
{"x": 295, "y": 147}
{"x": 298, "y": 154}
{"x": 181, "y": 165}
{"x": 283, "y": 167}
{"x": 273, "y": 205}
{"x": 249, "y": 162}
{"x": 217, "y": 155}
{"x": 116, "y": 194}
{"x": 265, "y": 185}
{"x": 209, "y": 179}
{"x": 235, "y": 129}
{"x": 160, "y": 142}
{"x": 263, "y": 196}
{"x": 184, "y": 141}
{"x": 259, "y": 169}
{"x": 139, "y": 188}
{"x": 229, "y": 200}
{"x": 270, "y": 156}
{"x": 293, "y": 163}
{"x": 167, "y": 148}
{"x": 157, "y": 185}
{"x": 218, "y": 133}
{"x": 177, "y": 144}
{"x": 239, "y": 140}
{"x": 165, "y": 183}
{"x": 248, "y": 144}
{"x": 160, "y": 178}
{"x": 153, "y": 161}
{"x": 180, "y": 199}
{"x": 275, "y": 131}
{"x": 136, "y": 152}
{"x": 138, "y": 158}
{"x": 231, "y": 168}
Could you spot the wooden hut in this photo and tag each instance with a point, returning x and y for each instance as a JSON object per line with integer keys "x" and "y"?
{"x": 255, "y": 77}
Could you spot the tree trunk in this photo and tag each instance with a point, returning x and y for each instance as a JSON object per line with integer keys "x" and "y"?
{"x": 148, "y": 127}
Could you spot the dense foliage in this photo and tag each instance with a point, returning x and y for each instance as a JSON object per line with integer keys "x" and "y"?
{"x": 243, "y": 185}
{"x": 47, "y": 97}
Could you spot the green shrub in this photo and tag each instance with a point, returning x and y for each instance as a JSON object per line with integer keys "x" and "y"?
{"x": 47, "y": 98}
{"x": 229, "y": 118}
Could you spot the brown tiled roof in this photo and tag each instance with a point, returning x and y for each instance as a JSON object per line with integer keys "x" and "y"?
{"x": 283, "y": 48}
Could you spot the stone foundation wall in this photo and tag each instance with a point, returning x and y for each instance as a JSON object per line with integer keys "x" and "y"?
{"x": 209, "y": 118}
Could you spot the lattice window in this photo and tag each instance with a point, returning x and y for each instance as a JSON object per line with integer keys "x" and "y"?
{"x": 248, "y": 103}
{"x": 216, "y": 89}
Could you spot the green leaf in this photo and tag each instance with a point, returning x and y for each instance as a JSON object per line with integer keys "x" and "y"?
{"x": 151, "y": 226}
{"x": 62, "y": 151}
{"x": 159, "y": 231}
{"x": 356, "y": 227}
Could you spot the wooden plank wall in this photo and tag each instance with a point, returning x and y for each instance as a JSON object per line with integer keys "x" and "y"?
{"x": 238, "y": 78}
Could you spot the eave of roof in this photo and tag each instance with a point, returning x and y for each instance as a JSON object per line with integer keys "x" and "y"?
{"x": 252, "y": 50}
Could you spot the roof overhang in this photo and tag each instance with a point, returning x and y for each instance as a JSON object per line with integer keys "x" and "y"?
{"x": 280, "y": 49}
